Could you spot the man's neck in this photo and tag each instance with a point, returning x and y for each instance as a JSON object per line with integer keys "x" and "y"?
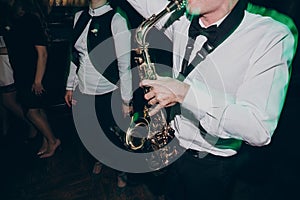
{"x": 97, "y": 3}
{"x": 212, "y": 17}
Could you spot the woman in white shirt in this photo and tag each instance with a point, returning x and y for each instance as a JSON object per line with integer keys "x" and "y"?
{"x": 101, "y": 57}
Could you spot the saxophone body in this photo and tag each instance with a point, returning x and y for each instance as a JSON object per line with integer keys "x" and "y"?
{"x": 147, "y": 133}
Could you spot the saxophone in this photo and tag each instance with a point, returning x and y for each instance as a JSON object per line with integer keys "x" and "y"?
{"x": 147, "y": 133}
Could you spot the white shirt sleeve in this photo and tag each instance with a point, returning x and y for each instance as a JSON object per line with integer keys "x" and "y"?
{"x": 2, "y": 43}
{"x": 147, "y": 8}
{"x": 122, "y": 40}
{"x": 72, "y": 80}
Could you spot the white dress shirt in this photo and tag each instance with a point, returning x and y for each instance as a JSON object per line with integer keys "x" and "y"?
{"x": 89, "y": 80}
{"x": 239, "y": 90}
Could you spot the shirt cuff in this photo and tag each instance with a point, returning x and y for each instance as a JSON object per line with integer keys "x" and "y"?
{"x": 69, "y": 88}
{"x": 127, "y": 102}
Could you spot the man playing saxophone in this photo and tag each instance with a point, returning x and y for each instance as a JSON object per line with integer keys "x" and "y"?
{"x": 231, "y": 70}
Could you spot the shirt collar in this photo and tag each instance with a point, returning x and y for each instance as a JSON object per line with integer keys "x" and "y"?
{"x": 216, "y": 23}
{"x": 100, "y": 10}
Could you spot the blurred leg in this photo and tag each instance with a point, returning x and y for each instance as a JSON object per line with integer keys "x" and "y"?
{"x": 39, "y": 119}
{"x": 10, "y": 103}
{"x": 4, "y": 121}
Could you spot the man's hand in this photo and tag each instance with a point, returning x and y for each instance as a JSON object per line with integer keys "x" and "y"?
{"x": 164, "y": 92}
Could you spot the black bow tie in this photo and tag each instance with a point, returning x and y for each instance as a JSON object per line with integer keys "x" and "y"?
{"x": 196, "y": 30}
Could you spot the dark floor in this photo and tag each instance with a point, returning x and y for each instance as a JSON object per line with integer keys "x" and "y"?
{"x": 67, "y": 175}
{"x": 272, "y": 174}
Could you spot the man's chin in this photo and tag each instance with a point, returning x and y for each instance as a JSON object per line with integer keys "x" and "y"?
{"x": 193, "y": 11}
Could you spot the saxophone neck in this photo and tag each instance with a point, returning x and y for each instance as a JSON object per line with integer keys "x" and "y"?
{"x": 141, "y": 32}
{"x": 143, "y": 29}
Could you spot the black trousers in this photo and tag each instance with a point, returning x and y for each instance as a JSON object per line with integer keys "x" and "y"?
{"x": 208, "y": 178}
{"x": 104, "y": 112}
{"x": 106, "y": 118}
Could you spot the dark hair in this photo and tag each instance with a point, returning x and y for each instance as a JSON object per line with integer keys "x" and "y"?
{"x": 26, "y": 5}
{"x": 31, "y": 7}
{"x": 4, "y": 12}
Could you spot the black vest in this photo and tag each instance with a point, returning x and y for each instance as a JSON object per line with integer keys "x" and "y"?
{"x": 100, "y": 43}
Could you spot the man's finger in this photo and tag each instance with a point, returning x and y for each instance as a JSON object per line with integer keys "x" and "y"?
{"x": 170, "y": 104}
{"x": 148, "y": 82}
{"x": 149, "y": 95}
{"x": 153, "y": 101}
{"x": 154, "y": 110}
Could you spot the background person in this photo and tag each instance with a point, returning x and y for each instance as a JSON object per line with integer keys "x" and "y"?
{"x": 97, "y": 80}
{"x": 27, "y": 49}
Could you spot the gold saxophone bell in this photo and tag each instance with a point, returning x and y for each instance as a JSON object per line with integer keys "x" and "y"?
{"x": 137, "y": 132}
